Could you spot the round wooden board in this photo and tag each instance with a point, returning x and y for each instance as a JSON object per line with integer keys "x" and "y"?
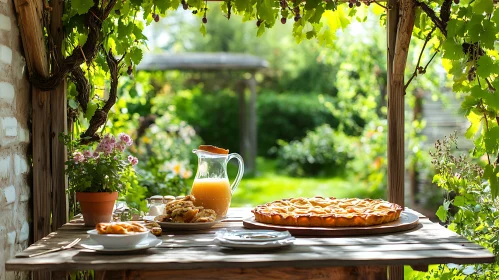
{"x": 406, "y": 221}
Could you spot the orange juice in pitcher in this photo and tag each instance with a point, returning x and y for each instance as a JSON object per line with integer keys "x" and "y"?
{"x": 211, "y": 186}
{"x": 212, "y": 194}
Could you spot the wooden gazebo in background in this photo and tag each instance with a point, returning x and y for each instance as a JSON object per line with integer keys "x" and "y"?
{"x": 217, "y": 62}
{"x": 49, "y": 110}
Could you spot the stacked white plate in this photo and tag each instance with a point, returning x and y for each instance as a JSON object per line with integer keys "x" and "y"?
{"x": 254, "y": 239}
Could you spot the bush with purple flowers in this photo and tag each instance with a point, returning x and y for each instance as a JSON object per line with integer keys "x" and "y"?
{"x": 105, "y": 168}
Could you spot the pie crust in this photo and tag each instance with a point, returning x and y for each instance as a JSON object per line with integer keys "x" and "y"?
{"x": 327, "y": 212}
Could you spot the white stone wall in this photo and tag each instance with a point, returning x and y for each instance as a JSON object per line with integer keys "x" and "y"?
{"x": 15, "y": 108}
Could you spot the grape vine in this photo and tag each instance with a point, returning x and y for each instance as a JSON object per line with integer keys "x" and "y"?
{"x": 463, "y": 32}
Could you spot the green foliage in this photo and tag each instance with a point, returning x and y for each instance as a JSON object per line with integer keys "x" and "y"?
{"x": 105, "y": 169}
{"x": 279, "y": 116}
{"x": 215, "y": 116}
{"x": 165, "y": 153}
{"x": 287, "y": 117}
{"x": 321, "y": 151}
{"x": 469, "y": 209}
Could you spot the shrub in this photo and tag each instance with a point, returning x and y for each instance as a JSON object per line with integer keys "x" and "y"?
{"x": 215, "y": 116}
{"x": 288, "y": 117}
{"x": 322, "y": 151}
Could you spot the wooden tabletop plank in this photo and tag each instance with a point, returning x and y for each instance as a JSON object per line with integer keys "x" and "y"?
{"x": 429, "y": 243}
{"x": 215, "y": 257}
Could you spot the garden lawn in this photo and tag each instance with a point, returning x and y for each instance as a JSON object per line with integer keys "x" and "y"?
{"x": 269, "y": 185}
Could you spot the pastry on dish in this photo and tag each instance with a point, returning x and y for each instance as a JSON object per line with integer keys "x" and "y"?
{"x": 327, "y": 212}
{"x": 184, "y": 211}
{"x": 119, "y": 228}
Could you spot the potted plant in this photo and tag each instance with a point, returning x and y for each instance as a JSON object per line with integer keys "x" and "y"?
{"x": 97, "y": 175}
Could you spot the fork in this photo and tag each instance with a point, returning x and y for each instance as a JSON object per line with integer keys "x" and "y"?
{"x": 70, "y": 245}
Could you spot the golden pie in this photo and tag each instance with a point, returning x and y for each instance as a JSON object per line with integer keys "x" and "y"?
{"x": 327, "y": 212}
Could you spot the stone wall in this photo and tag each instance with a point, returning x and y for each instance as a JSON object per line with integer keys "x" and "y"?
{"x": 15, "y": 108}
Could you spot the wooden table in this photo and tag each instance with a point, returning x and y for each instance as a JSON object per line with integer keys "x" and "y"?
{"x": 192, "y": 255}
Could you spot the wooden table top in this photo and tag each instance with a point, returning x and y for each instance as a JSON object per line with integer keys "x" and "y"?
{"x": 429, "y": 243}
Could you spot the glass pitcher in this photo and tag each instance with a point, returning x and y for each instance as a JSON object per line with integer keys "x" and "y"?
{"x": 211, "y": 186}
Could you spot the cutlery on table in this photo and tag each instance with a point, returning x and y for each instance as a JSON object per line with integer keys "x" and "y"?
{"x": 70, "y": 245}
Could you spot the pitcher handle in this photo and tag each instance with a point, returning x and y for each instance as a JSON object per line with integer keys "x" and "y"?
{"x": 240, "y": 170}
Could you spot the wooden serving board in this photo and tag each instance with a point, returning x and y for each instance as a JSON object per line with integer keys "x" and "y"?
{"x": 406, "y": 221}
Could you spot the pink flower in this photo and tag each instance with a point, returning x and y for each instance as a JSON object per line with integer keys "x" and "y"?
{"x": 133, "y": 160}
{"x": 125, "y": 138}
{"x": 88, "y": 154}
{"x": 120, "y": 147}
{"x": 78, "y": 157}
{"x": 107, "y": 148}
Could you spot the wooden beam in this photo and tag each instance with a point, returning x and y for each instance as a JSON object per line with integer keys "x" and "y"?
{"x": 399, "y": 31}
{"x": 243, "y": 131}
{"x": 250, "y": 163}
{"x": 29, "y": 13}
{"x": 58, "y": 104}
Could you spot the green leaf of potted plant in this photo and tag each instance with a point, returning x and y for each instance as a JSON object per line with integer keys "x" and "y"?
{"x": 97, "y": 175}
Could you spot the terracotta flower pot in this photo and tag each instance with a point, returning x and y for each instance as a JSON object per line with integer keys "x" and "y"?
{"x": 96, "y": 207}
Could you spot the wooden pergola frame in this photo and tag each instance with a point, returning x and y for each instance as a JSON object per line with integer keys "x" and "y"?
{"x": 50, "y": 113}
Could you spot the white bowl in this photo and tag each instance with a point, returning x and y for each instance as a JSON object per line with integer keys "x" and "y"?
{"x": 114, "y": 241}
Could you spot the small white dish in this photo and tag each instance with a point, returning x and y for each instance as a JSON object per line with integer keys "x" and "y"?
{"x": 255, "y": 245}
{"x": 186, "y": 226}
{"x": 111, "y": 241}
{"x": 149, "y": 242}
{"x": 254, "y": 235}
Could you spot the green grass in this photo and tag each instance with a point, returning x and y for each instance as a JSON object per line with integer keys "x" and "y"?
{"x": 269, "y": 185}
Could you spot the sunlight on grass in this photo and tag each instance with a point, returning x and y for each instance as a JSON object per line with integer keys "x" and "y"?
{"x": 268, "y": 186}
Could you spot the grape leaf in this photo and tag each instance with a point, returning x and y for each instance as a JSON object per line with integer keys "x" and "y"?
{"x": 483, "y": 6}
{"x": 452, "y": 50}
{"x": 91, "y": 108}
{"x": 475, "y": 125}
{"x": 491, "y": 139}
{"x": 455, "y": 27}
{"x": 81, "y": 6}
{"x": 202, "y": 29}
{"x": 491, "y": 175}
{"x": 136, "y": 55}
{"x": 485, "y": 66}
{"x": 261, "y": 30}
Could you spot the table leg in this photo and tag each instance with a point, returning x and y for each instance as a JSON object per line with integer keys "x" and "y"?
{"x": 396, "y": 272}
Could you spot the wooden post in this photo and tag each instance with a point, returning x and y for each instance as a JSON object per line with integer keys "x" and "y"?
{"x": 30, "y": 15}
{"x": 399, "y": 32}
{"x": 243, "y": 131}
{"x": 58, "y": 104}
{"x": 250, "y": 163}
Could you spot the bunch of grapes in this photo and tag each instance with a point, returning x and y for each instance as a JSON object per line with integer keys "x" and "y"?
{"x": 284, "y": 11}
{"x": 155, "y": 17}
{"x": 351, "y": 3}
{"x": 184, "y": 5}
{"x": 297, "y": 13}
{"x": 129, "y": 71}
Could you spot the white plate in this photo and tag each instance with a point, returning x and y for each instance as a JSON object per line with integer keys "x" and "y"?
{"x": 186, "y": 226}
{"x": 255, "y": 245}
{"x": 117, "y": 240}
{"x": 149, "y": 242}
{"x": 254, "y": 235}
